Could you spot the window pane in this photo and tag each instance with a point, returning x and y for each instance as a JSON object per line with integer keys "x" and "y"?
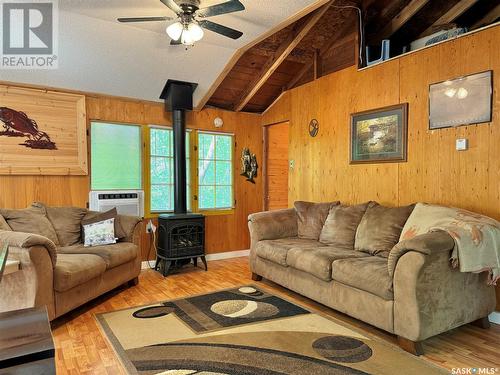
{"x": 162, "y": 170}
{"x": 223, "y": 172}
{"x": 206, "y": 169}
{"x": 161, "y": 142}
{"x": 223, "y": 197}
{"x": 207, "y": 197}
{"x": 215, "y": 171}
{"x": 115, "y": 156}
{"x": 206, "y": 143}
{"x": 223, "y": 147}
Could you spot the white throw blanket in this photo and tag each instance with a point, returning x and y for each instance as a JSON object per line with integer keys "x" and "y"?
{"x": 477, "y": 237}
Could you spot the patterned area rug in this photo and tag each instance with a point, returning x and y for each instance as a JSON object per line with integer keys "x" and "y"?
{"x": 247, "y": 331}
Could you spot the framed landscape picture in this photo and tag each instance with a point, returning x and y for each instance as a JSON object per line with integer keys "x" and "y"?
{"x": 379, "y": 135}
{"x": 461, "y": 101}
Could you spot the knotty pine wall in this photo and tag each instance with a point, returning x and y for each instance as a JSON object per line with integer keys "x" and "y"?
{"x": 223, "y": 232}
{"x": 435, "y": 171}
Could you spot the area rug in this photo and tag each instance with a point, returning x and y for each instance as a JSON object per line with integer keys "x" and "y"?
{"x": 247, "y": 331}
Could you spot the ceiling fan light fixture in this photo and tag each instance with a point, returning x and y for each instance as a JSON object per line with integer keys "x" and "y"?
{"x": 175, "y": 30}
{"x": 196, "y": 31}
{"x": 186, "y": 38}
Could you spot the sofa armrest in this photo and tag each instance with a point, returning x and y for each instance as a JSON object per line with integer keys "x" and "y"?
{"x": 131, "y": 225}
{"x": 425, "y": 244}
{"x": 431, "y": 297}
{"x": 28, "y": 240}
{"x": 271, "y": 225}
{"x": 33, "y": 284}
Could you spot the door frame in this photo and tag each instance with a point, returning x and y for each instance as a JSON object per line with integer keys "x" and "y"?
{"x": 265, "y": 146}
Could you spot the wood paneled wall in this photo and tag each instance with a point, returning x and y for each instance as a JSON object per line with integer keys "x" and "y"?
{"x": 435, "y": 171}
{"x": 224, "y": 232}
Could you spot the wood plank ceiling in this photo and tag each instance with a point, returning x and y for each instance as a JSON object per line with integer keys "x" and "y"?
{"x": 326, "y": 40}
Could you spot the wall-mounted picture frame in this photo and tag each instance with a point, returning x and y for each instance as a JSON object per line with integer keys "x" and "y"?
{"x": 461, "y": 101}
{"x": 379, "y": 135}
{"x": 42, "y": 132}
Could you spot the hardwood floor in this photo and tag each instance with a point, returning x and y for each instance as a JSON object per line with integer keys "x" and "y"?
{"x": 82, "y": 349}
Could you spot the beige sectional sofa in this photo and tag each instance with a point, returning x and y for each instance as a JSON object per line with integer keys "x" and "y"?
{"x": 56, "y": 270}
{"x": 350, "y": 259}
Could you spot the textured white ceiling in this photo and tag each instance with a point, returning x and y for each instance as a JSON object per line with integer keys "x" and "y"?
{"x": 98, "y": 54}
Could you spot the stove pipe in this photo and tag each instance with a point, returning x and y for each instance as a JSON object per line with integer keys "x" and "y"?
{"x": 178, "y": 96}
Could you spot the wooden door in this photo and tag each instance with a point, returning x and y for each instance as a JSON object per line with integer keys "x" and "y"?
{"x": 276, "y": 166}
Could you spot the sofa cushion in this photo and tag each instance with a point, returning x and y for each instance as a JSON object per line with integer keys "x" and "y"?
{"x": 276, "y": 250}
{"x": 75, "y": 269}
{"x": 113, "y": 255}
{"x": 30, "y": 220}
{"x": 380, "y": 228}
{"x": 367, "y": 273}
{"x": 4, "y": 225}
{"x": 318, "y": 261}
{"x": 67, "y": 223}
{"x": 94, "y": 217}
{"x": 311, "y": 218}
{"x": 341, "y": 224}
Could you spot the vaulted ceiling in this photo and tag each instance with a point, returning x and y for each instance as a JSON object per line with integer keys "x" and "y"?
{"x": 289, "y": 58}
{"x": 285, "y": 43}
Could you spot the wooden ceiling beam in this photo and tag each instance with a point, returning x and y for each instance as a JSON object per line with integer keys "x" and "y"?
{"x": 280, "y": 55}
{"x": 403, "y": 17}
{"x": 490, "y": 17}
{"x": 451, "y": 15}
{"x": 332, "y": 43}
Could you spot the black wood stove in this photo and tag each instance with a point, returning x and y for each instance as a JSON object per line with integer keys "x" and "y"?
{"x": 181, "y": 235}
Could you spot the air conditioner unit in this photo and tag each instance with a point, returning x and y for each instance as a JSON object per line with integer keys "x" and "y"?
{"x": 127, "y": 202}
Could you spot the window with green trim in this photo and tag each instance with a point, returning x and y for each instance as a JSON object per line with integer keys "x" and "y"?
{"x": 115, "y": 156}
{"x": 215, "y": 171}
{"x": 162, "y": 169}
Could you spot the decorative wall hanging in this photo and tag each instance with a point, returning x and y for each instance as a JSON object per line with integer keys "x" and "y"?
{"x": 249, "y": 165}
{"x": 379, "y": 135}
{"x": 313, "y": 127}
{"x": 461, "y": 101}
{"x": 42, "y": 132}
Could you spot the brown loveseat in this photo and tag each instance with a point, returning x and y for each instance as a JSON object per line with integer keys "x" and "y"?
{"x": 56, "y": 269}
{"x": 349, "y": 258}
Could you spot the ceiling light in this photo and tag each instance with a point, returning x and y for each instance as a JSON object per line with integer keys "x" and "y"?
{"x": 196, "y": 31}
{"x": 186, "y": 38}
{"x": 174, "y": 31}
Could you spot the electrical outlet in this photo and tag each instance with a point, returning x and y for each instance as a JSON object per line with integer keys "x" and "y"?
{"x": 150, "y": 227}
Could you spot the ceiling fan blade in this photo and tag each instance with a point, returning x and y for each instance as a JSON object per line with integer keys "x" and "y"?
{"x": 143, "y": 19}
{"x": 172, "y": 5}
{"x": 175, "y": 42}
{"x": 220, "y": 29}
{"x": 227, "y": 7}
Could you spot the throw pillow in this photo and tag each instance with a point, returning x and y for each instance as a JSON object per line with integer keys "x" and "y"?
{"x": 94, "y": 217}
{"x": 66, "y": 222}
{"x": 4, "y": 225}
{"x": 311, "y": 218}
{"x": 100, "y": 233}
{"x": 30, "y": 220}
{"x": 341, "y": 224}
{"x": 380, "y": 228}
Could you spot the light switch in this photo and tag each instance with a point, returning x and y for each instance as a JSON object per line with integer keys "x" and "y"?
{"x": 461, "y": 144}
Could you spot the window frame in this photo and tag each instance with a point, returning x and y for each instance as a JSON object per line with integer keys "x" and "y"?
{"x": 215, "y": 210}
{"x": 150, "y": 211}
{"x": 141, "y": 153}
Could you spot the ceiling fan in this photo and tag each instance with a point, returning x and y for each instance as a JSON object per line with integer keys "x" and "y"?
{"x": 190, "y": 23}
